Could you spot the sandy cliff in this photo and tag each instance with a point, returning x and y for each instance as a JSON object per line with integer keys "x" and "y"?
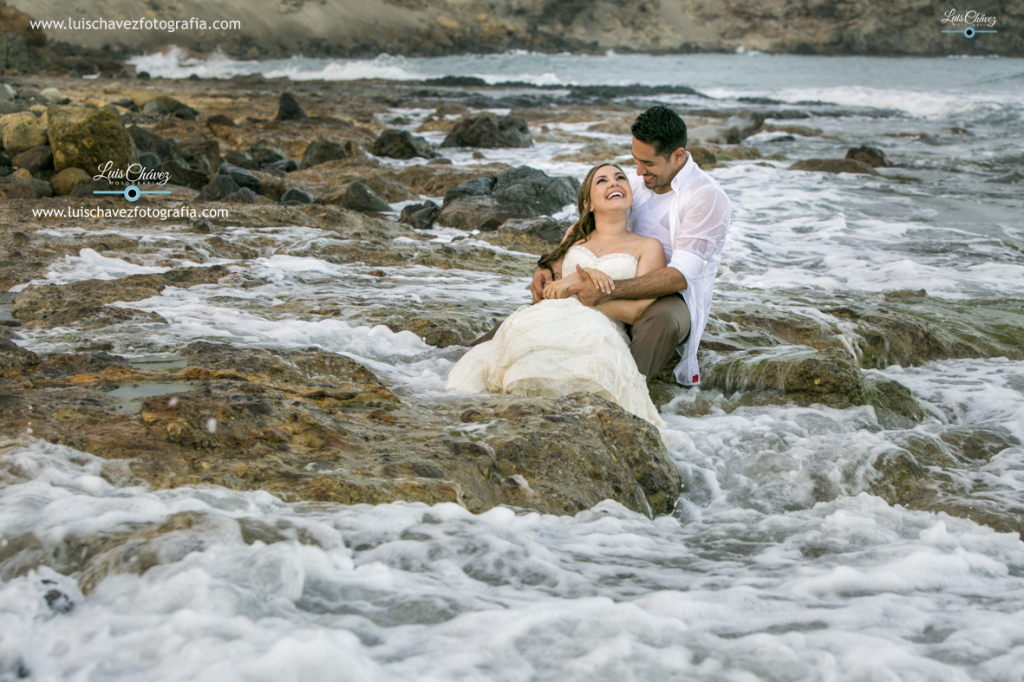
{"x": 272, "y": 28}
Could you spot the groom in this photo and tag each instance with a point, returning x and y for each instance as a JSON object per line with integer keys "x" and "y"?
{"x": 681, "y": 206}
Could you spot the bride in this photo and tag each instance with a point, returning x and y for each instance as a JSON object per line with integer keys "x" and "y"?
{"x": 559, "y": 345}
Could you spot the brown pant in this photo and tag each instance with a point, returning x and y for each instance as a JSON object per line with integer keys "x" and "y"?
{"x": 655, "y": 335}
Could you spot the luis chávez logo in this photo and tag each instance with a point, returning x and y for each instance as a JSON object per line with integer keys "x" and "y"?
{"x": 135, "y": 173}
{"x": 969, "y": 19}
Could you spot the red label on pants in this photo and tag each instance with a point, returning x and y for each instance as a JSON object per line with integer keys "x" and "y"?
{"x": 695, "y": 379}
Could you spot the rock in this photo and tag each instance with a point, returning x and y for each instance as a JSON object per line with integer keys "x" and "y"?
{"x": 11, "y": 107}
{"x": 266, "y": 155}
{"x": 237, "y": 157}
{"x": 321, "y": 151}
{"x": 282, "y": 166}
{"x": 242, "y": 195}
{"x": 186, "y": 113}
{"x": 201, "y": 155}
{"x": 472, "y": 188}
{"x": 41, "y": 188}
{"x": 65, "y": 182}
{"x": 702, "y": 156}
{"x": 7, "y": 93}
{"x": 489, "y": 132}
{"x": 143, "y": 97}
{"x": 288, "y": 109}
{"x": 834, "y": 166}
{"x": 17, "y": 54}
{"x": 145, "y": 141}
{"x": 312, "y": 425}
{"x": 535, "y": 191}
{"x": 545, "y": 228}
{"x": 401, "y": 144}
{"x": 420, "y": 216}
{"x": 872, "y": 156}
{"x": 51, "y": 96}
{"x": 182, "y": 175}
{"x": 477, "y": 213}
{"x": 218, "y": 188}
{"x": 450, "y": 109}
{"x": 296, "y": 197}
{"x": 15, "y": 360}
{"x": 155, "y": 107}
{"x": 40, "y": 302}
{"x": 149, "y": 160}
{"x": 16, "y": 190}
{"x": 220, "y": 120}
{"x": 241, "y": 176}
{"x": 732, "y": 131}
{"x": 35, "y": 160}
{"x": 21, "y": 132}
{"x": 90, "y": 139}
{"x": 738, "y": 152}
{"x": 359, "y": 197}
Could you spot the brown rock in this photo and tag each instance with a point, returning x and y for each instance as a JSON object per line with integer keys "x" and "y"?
{"x": 21, "y": 132}
{"x": 67, "y": 180}
{"x": 34, "y": 160}
{"x": 91, "y": 139}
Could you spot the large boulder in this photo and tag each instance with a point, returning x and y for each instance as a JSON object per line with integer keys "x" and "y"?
{"x": 90, "y": 139}
{"x": 523, "y": 192}
{"x": 21, "y": 132}
{"x": 489, "y": 132}
{"x": 401, "y": 144}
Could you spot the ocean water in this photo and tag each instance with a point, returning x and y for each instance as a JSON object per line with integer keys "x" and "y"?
{"x": 777, "y": 563}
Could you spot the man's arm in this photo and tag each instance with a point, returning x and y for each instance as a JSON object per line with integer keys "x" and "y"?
{"x": 655, "y": 284}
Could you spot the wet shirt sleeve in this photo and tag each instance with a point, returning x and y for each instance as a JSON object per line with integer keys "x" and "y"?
{"x": 702, "y": 228}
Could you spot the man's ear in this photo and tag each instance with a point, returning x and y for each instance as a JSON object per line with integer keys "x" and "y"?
{"x": 678, "y": 156}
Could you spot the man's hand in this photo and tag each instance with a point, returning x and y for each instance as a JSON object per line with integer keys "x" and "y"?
{"x": 586, "y": 290}
{"x": 541, "y": 278}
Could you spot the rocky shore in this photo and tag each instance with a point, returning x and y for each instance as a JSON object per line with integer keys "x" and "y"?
{"x": 273, "y": 29}
{"x": 314, "y": 425}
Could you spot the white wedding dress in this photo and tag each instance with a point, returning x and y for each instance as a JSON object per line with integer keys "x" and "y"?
{"x": 561, "y": 346}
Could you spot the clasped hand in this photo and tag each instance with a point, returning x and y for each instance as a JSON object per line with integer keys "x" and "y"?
{"x": 560, "y": 288}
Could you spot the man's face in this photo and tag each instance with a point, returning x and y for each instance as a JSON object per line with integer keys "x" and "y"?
{"x": 657, "y": 171}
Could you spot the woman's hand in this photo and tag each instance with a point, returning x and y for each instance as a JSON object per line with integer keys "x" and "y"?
{"x": 557, "y": 289}
{"x": 603, "y": 282}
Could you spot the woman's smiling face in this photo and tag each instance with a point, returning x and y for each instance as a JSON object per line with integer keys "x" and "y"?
{"x": 610, "y": 189}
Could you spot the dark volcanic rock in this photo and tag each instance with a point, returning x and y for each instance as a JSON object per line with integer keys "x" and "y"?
{"x": 242, "y": 195}
{"x": 241, "y": 176}
{"x": 242, "y": 159}
{"x": 40, "y": 188}
{"x": 872, "y": 156}
{"x": 420, "y": 216}
{"x": 200, "y": 155}
{"x": 288, "y": 109}
{"x": 321, "y": 151}
{"x": 218, "y": 188}
{"x": 265, "y": 154}
{"x": 183, "y": 176}
{"x": 15, "y": 360}
{"x": 545, "y": 228}
{"x": 489, "y": 132}
{"x": 401, "y": 144}
{"x": 359, "y": 197}
{"x": 523, "y": 192}
{"x": 834, "y": 166}
{"x": 282, "y": 166}
{"x": 146, "y": 141}
{"x": 296, "y": 197}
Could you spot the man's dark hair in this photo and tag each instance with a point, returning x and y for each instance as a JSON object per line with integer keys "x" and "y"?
{"x": 661, "y": 128}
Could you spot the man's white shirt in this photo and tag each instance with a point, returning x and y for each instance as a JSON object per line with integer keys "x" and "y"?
{"x": 691, "y": 222}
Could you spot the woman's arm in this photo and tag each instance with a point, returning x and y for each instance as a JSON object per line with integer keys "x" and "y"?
{"x": 652, "y": 257}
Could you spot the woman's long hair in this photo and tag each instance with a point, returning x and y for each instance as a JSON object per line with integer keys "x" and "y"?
{"x": 583, "y": 227}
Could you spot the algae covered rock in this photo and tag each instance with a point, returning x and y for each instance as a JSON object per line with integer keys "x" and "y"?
{"x": 90, "y": 139}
